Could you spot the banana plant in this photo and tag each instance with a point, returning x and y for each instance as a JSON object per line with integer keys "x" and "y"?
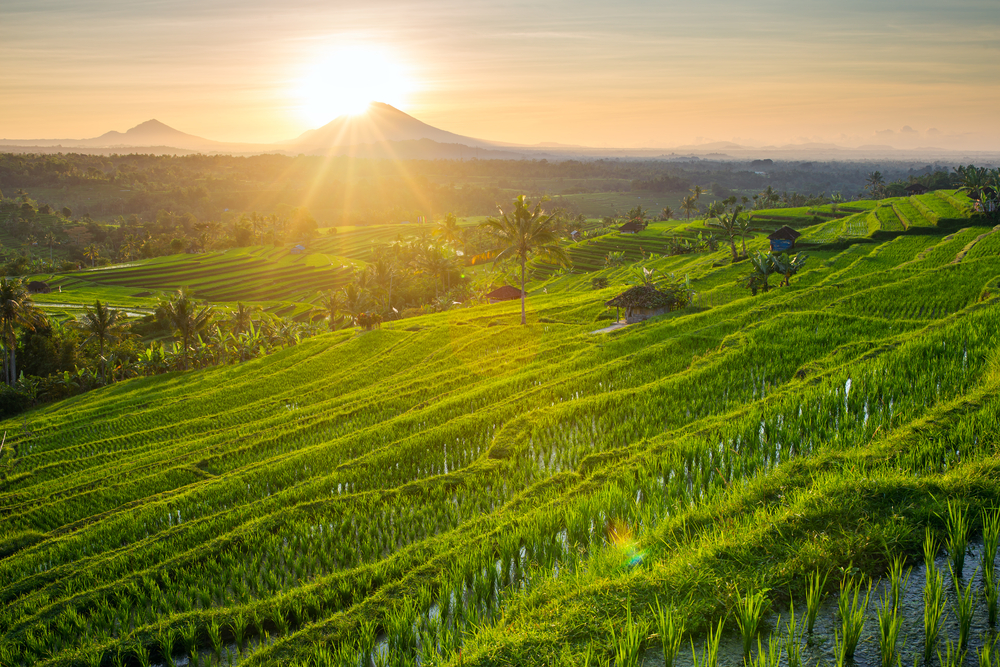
{"x": 763, "y": 267}
{"x": 787, "y": 266}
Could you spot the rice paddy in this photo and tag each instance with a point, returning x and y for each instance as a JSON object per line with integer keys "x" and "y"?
{"x": 457, "y": 489}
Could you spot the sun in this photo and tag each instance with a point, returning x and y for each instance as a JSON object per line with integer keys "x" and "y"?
{"x": 348, "y": 79}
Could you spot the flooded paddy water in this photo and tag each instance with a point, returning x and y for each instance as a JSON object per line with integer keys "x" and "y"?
{"x": 818, "y": 649}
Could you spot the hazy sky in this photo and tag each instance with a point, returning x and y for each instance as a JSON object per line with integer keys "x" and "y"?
{"x": 663, "y": 73}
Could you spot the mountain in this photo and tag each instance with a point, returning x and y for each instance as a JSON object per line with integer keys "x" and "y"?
{"x": 379, "y": 124}
{"x": 152, "y": 136}
{"x": 152, "y": 133}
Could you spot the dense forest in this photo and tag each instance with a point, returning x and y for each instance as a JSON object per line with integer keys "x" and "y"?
{"x": 347, "y": 191}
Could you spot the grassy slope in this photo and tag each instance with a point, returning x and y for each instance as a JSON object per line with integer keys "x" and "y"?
{"x": 357, "y": 478}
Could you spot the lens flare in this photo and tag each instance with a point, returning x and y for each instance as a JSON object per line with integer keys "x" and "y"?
{"x": 346, "y": 80}
{"x": 620, "y": 535}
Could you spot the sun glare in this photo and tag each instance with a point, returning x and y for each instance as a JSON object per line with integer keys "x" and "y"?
{"x": 347, "y": 80}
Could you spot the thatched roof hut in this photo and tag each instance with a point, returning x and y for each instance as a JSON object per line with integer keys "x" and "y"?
{"x": 38, "y": 287}
{"x": 505, "y": 293}
{"x": 632, "y": 227}
{"x": 642, "y": 302}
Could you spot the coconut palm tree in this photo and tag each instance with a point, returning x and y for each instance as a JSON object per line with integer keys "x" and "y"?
{"x": 667, "y": 213}
{"x": 16, "y": 310}
{"x": 744, "y": 226}
{"x": 182, "y": 313}
{"x": 523, "y": 231}
{"x": 731, "y": 225}
{"x": 241, "y": 319}
{"x": 355, "y": 299}
{"x": 50, "y": 240}
{"x": 875, "y": 184}
{"x": 768, "y": 196}
{"x": 103, "y": 326}
{"x": 447, "y": 229}
{"x": 689, "y": 204}
{"x": 438, "y": 262}
{"x": 92, "y": 252}
{"x": 333, "y": 303}
{"x": 382, "y": 271}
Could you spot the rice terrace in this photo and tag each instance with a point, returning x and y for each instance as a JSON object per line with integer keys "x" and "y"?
{"x": 481, "y": 334}
{"x": 800, "y": 473}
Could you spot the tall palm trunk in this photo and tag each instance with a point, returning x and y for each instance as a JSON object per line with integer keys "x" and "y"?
{"x": 522, "y": 290}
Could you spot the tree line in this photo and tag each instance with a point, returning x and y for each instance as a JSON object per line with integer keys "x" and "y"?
{"x": 45, "y": 360}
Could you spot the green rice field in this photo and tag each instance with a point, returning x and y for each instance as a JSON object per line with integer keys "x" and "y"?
{"x": 456, "y": 489}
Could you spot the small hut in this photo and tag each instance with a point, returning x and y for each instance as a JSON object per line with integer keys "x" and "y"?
{"x": 632, "y": 227}
{"x": 642, "y": 302}
{"x": 38, "y": 287}
{"x": 298, "y": 249}
{"x": 783, "y": 239}
{"x": 505, "y": 293}
{"x": 916, "y": 189}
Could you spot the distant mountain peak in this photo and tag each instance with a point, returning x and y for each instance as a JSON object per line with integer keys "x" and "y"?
{"x": 152, "y": 123}
{"x": 151, "y": 133}
{"x": 381, "y": 122}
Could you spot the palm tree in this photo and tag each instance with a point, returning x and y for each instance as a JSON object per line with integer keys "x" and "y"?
{"x": 50, "y": 240}
{"x": 744, "y": 227}
{"x": 523, "y": 231}
{"x": 16, "y": 310}
{"x": 667, "y": 213}
{"x": 438, "y": 262}
{"x": 241, "y": 318}
{"x": 689, "y": 204}
{"x": 333, "y": 303}
{"x": 103, "y": 326}
{"x": 382, "y": 271}
{"x": 769, "y": 196}
{"x": 875, "y": 184}
{"x": 187, "y": 320}
{"x": 731, "y": 224}
{"x": 92, "y": 252}
{"x": 355, "y": 299}
{"x": 448, "y": 229}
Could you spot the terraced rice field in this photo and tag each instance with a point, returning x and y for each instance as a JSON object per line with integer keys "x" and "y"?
{"x": 457, "y": 489}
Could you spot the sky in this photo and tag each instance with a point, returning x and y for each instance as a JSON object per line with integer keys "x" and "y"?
{"x": 625, "y": 74}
